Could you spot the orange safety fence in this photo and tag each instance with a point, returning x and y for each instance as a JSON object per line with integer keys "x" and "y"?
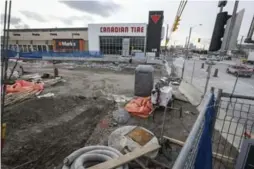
{"x": 140, "y": 106}
{"x": 22, "y": 85}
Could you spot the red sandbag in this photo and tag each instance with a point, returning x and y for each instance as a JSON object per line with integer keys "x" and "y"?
{"x": 140, "y": 106}
{"x": 22, "y": 85}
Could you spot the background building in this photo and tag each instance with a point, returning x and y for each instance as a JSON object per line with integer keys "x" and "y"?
{"x": 107, "y": 39}
{"x": 117, "y": 39}
{"x": 48, "y": 39}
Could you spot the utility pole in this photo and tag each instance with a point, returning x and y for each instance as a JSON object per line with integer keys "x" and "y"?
{"x": 186, "y": 40}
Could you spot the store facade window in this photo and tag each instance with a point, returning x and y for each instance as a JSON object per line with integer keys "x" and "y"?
{"x": 112, "y": 45}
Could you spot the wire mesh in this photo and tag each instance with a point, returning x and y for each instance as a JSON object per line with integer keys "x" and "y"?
{"x": 188, "y": 154}
{"x": 189, "y": 164}
{"x": 234, "y": 123}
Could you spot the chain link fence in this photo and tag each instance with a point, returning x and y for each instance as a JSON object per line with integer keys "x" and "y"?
{"x": 215, "y": 142}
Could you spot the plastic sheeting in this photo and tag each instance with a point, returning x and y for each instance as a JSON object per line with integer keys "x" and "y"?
{"x": 22, "y": 85}
{"x": 140, "y": 106}
{"x": 204, "y": 154}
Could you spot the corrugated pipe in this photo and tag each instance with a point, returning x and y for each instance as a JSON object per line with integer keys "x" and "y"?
{"x": 80, "y": 158}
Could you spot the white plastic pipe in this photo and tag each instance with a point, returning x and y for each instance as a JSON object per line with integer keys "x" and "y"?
{"x": 79, "y": 158}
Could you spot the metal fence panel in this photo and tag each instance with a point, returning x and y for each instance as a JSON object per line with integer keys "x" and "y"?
{"x": 234, "y": 123}
{"x": 187, "y": 156}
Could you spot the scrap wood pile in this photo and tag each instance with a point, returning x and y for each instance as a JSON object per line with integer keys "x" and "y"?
{"x": 13, "y": 98}
{"x": 23, "y": 89}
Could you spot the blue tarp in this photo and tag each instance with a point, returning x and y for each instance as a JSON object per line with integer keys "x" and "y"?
{"x": 39, "y": 55}
{"x": 10, "y": 53}
{"x": 204, "y": 154}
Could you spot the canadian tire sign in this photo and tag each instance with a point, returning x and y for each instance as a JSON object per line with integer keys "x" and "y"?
{"x": 154, "y": 30}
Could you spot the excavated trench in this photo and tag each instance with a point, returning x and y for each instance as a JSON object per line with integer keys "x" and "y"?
{"x": 41, "y": 132}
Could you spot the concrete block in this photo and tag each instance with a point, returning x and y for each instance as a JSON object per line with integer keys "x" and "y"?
{"x": 191, "y": 92}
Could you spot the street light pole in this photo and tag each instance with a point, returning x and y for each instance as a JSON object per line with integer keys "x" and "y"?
{"x": 188, "y": 43}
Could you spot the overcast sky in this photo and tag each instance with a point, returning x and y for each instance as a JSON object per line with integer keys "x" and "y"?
{"x": 53, "y": 13}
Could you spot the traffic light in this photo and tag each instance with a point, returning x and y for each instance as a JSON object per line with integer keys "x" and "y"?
{"x": 176, "y": 23}
{"x": 199, "y": 40}
{"x": 218, "y": 31}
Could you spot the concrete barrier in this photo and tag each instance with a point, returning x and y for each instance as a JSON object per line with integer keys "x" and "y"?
{"x": 191, "y": 93}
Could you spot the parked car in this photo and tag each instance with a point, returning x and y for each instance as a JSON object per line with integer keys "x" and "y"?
{"x": 201, "y": 57}
{"x": 240, "y": 70}
{"x": 210, "y": 62}
{"x": 227, "y": 58}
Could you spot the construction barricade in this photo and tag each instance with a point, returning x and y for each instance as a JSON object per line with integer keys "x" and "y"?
{"x": 217, "y": 136}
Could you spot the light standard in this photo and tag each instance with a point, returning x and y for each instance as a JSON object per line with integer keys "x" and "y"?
{"x": 187, "y": 48}
{"x": 188, "y": 42}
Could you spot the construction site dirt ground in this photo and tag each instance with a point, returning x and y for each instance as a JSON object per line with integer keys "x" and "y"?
{"x": 42, "y": 132}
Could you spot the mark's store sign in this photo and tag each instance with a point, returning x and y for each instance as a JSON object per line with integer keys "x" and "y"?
{"x": 68, "y": 44}
{"x": 121, "y": 29}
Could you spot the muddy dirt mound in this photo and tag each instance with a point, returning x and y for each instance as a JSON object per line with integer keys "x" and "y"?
{"x": 56, "y": 127}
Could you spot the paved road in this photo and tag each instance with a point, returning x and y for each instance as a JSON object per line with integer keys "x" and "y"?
{"x": 234, "y": 118}
{"x": 245, "y": 86}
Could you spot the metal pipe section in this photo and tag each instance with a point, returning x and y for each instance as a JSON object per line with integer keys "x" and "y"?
{"x": 230, "y": 95}
{"x": 188, "y": 146}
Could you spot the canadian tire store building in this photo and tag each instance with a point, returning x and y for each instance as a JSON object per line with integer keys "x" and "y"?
{"x": 117, "y": 39}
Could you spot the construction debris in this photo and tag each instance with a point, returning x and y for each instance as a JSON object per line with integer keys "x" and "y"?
{"x": 46, "y": 95}
{"x": 133, "y": 137}
{"x": 138, "y": 152}
{"x": 121, "y": 116}
{"x": 18, "y": 97}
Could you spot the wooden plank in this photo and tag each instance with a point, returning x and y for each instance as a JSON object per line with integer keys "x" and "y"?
{"x": 215, "y": 155}
{"x": 138, "y": 152}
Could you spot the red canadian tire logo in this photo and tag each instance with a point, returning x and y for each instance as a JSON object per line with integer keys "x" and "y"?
{"x": 155, "y": 18}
